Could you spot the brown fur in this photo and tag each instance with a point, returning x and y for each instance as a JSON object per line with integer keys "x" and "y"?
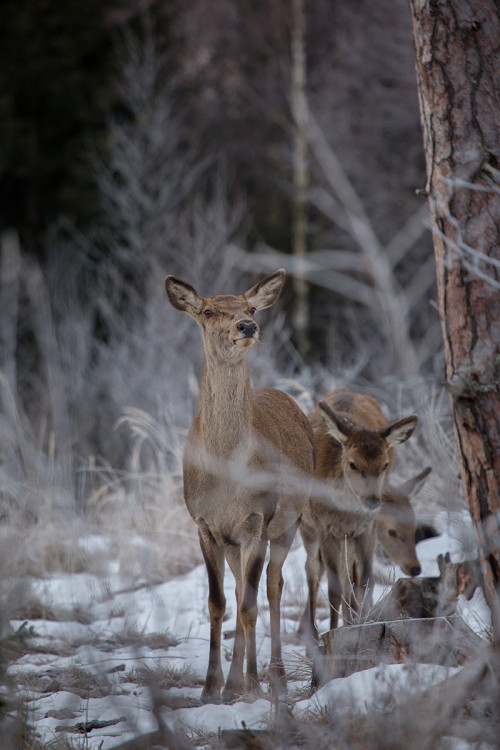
{"x": 355, "y": 450}
{"x": 248, "y": 462}
{"x": 396, "y": 525}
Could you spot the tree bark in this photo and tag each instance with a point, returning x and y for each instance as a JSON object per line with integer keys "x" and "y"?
{"x": 458, "y": 73}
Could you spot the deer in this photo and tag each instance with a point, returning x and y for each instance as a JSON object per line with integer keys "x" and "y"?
{"x": 247, "y": 468}
{"x": 396, "y": 526}
{"x": 394, "y": 529}
{"x": 354, "y": 454}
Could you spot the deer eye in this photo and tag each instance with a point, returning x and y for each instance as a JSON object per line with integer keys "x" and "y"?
{"x": 208, "y": 313}
{"x": 385, "y": 466}
{"x": 392, "y": 532}
{"x": 352, "y": 465}
{"x": 253, "y": 310}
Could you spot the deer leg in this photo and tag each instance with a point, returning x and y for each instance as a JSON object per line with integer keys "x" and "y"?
{"x": 334, "y": 597}
{"x": 314, "y": 570}
{"x": 330, "y": 551}
{"x": 214, "y": 561}
{"x": 279, "y": 549}
{"x": 252, "y": 564}
{"x": 307, "y": 626}
{"x": 355, "y": 595}
{"x": 235, "y": 683}
{"x": 366, "y": 552}
{"x": 349, "y": 581}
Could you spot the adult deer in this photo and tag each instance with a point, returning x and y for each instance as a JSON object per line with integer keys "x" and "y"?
{"x": 248, "y": 462}
{"x": 355, "y": 450}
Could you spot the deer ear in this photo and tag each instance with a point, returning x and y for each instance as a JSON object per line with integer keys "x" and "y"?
{"x": 338, "y": 426}
{"x": 182, "y": 296}
{"x": 266, "y": 292}
{"x": 413, "y": 485}
{"x": 400, "y": 431}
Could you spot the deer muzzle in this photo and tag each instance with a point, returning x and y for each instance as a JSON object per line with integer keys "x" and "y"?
{"x": 248, "y": 328}
{"x": 372, "y": 502}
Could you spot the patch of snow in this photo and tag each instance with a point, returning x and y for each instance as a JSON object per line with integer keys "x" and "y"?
{"x": 211, "y": 718}
{"x": 476, "y": 613}
{"x": 179, "y": 607}
{"x": 380, "y": 687}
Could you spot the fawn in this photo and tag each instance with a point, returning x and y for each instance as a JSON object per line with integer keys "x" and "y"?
{"x": 355, "y": 450}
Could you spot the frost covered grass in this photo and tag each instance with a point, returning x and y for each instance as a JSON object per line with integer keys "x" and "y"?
{"x": 103, "y": 586}
{"x": 144, "y": 651}
{"x": 105, "y": 600}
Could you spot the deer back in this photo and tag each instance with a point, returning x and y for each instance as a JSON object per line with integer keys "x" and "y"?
{"x": 286, "y": 450}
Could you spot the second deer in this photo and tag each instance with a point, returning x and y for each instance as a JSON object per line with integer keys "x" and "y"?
{"x": 355, "y": 450}
{"x": 248, "y": 462}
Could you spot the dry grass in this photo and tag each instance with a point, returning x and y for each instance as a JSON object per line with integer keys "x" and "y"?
{"x": 163, "y": 677}
{"x": 73, "y": 679}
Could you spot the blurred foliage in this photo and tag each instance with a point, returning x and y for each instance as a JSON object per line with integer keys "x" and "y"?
{"x": 140, "y": 139}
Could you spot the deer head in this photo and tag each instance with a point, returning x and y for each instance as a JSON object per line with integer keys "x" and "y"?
{"x": 396, "y": 524}
{"x": 366, "y": 454}
{"x": 227, "y": 322}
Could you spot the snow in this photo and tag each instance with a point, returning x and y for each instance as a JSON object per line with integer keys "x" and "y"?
{"x": 208, "y": 719}
{"x": 178, "y": 607}
{"x": 382, "y": 687}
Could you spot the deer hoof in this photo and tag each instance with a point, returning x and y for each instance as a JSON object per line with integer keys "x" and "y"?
{"x": 210, "y": 698}
{"x": 211, "y": 692}
{"x": 233, "y": 690}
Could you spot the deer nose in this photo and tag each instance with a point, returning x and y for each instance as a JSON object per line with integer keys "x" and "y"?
{"x": 372, "y": 502}
{"x": 415, "y": 571}
{"x": 247, "y": 328}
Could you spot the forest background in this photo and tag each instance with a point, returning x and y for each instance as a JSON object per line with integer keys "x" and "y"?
{"x": 140, "y": 139}
{"x": 218, "y": 142}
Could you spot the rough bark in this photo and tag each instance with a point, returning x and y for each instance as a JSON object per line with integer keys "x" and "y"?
{"x": 458, "y": 72}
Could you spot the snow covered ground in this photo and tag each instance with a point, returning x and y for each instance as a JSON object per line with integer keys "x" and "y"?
{"x": 126, "y": 636}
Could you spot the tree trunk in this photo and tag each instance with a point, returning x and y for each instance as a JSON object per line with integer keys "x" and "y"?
{"x": 456, "y": 48}
{"x": 300, "y": 177}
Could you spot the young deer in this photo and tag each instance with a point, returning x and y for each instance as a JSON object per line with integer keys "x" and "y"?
{"x": 248, "y": 463}
{"x": 355, "y": 450}
{"x": 396, "y": 526}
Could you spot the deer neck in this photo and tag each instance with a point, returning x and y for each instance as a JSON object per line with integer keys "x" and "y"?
{"x": 226, "y": 408}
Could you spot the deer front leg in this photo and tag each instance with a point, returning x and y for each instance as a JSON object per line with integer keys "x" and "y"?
{"x": 279, "y": 549}
{"x": 235, "y": 680}
{"x": 214, "y": 561}
{"x": 253, "y": 562}
{"x": 246, "y": 560}
{"x": 330, "y": 552}
{"x": 366, "y": 548}
{"x": 314, "y": 570}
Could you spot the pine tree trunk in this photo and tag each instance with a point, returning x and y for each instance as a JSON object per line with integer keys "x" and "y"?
{"x": 458, "y": 74}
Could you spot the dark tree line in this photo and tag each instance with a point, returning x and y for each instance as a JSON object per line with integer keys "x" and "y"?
{"x": 231, "y": 66}
{"x": 55, "y": 61}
